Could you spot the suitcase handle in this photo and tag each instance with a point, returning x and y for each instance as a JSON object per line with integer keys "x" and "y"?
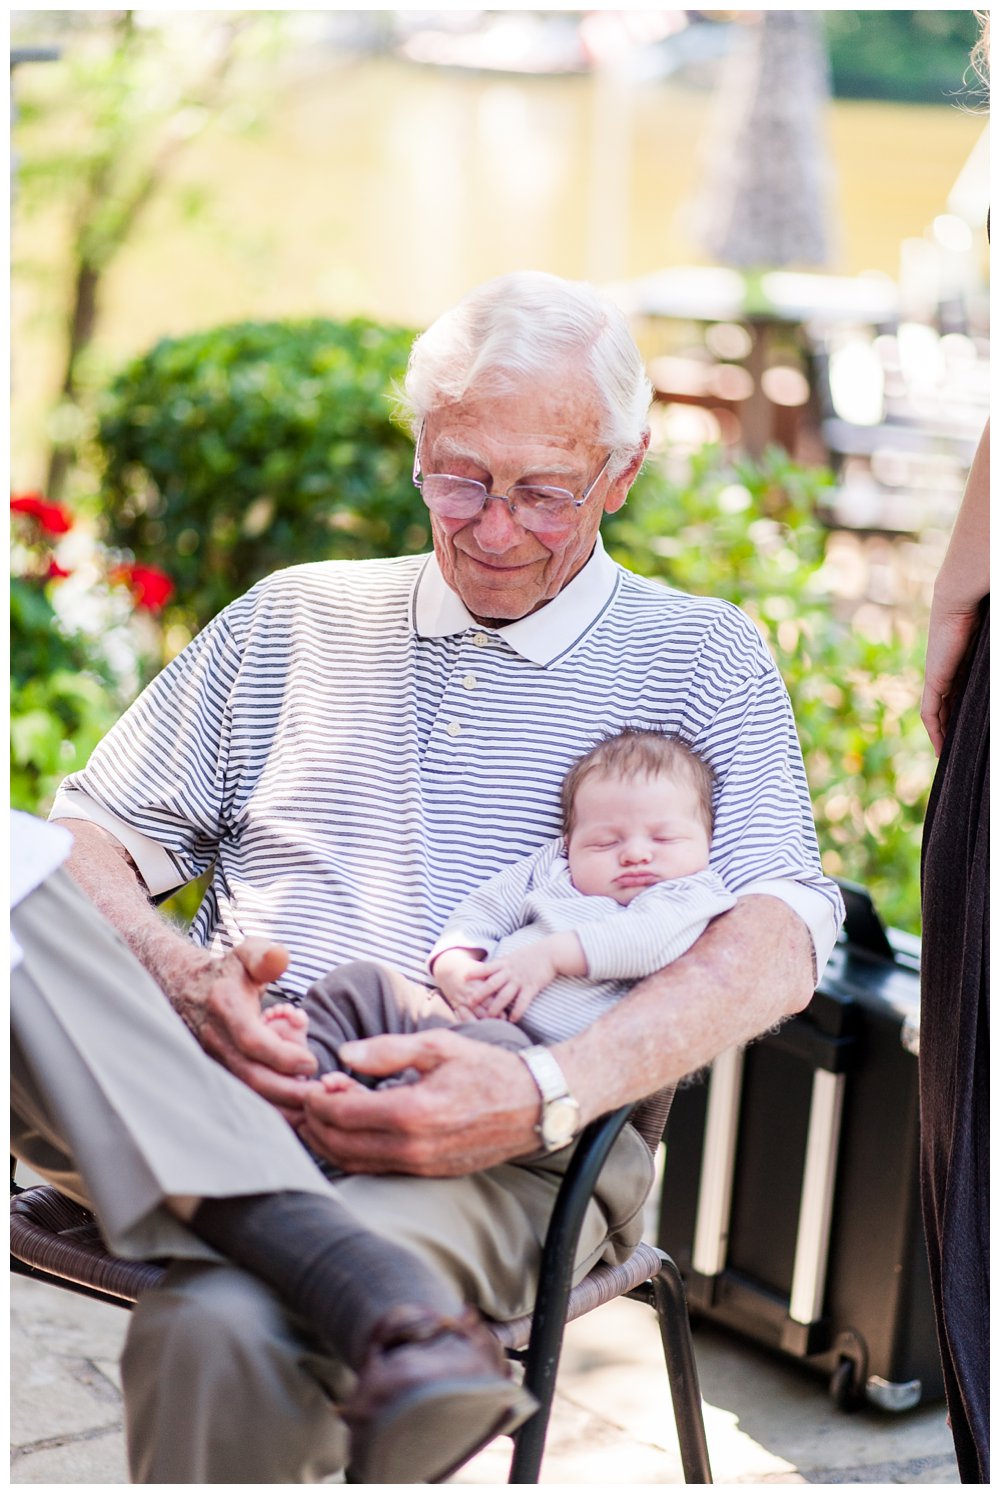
{"x": 862, "y": 925}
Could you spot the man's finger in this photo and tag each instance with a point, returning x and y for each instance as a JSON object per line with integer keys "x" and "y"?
{"x": 365, "y": 1113}
{"x": 232, "y": 1036}
{"x": 381, "y": 1056}
{"x": 282, "y": 1091}
{"x": 262, "y": 960}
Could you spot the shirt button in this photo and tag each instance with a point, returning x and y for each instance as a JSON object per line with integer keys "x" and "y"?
{"x": 470, "y": 682}
{"x": 480, "y": 640}
{"x": 453, "y": 728}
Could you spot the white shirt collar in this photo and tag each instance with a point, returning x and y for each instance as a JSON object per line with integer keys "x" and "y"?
{"x": 545, "y": 636}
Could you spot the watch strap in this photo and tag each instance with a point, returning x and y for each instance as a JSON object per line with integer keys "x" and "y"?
{"x": 559, "y": 1122}
{"x": 546, "y": 1072}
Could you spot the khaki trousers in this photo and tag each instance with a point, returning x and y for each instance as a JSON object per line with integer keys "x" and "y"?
{"x": 116, "y": 1102}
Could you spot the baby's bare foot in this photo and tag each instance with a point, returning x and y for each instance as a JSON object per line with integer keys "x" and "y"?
{"x": 291, "y": 1022}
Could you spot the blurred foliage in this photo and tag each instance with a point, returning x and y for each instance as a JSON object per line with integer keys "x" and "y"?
{"x": 230, "y": 453}
{"x": 62, "y": 694}
{"x": 913, "y": 56}
{"x": 140, "y": 93}
{"x": 749, "y": 533}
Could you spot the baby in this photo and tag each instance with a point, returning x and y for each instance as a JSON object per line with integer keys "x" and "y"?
{"x": 550, "y": 942}
{"x": 532, "y": 957}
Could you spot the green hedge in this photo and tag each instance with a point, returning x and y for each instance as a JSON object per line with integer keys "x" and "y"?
{"x": 911, "y": 56}
{"x": 232, "y": 452}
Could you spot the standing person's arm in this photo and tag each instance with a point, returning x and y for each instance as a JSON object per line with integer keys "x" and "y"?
{"x": 962, "y": 582}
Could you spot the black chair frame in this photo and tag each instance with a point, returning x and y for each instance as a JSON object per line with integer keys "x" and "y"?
{"x": 664, "y": 1292}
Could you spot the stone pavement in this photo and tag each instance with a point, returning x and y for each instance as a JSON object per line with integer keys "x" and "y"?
{"x": 768, "y": 1422}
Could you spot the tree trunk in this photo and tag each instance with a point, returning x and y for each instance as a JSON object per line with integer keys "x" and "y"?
{"x": 83, "y": 319}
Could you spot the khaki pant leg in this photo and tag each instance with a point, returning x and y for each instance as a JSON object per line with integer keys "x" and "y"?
{"x": 223, "y": 1387}
{"x": 113, "y": 1098}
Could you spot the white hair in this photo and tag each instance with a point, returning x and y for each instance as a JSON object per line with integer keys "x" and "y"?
{"x": 523, "y": 323}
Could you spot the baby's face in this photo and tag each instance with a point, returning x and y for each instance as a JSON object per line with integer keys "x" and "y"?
{"x": 631, "y": 833}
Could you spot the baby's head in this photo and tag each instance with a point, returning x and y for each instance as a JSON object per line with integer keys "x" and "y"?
{"x": 637, "y": 809}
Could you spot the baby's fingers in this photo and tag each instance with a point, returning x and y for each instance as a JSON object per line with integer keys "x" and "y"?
{"x": 487, "y": 984}
{"x": 520, "y": 1005}
{"x": 498, "y": 1005}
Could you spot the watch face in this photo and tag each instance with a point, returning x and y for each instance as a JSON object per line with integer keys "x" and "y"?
{"x": 560, "y": 1121}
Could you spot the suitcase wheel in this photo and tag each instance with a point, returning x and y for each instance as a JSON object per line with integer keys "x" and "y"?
{"x": 847, "y": 1390}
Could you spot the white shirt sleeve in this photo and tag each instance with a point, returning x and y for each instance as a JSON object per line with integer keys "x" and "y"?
{"x": 155, "y": 865}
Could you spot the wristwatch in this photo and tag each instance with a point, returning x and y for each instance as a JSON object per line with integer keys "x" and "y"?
{"x": 560, "y": 1118}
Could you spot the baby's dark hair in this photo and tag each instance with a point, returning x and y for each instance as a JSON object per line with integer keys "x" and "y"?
{"x": 638, "y": 752}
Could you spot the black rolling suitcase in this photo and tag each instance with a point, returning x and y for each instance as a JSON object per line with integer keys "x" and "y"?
{"x": 790, "y": 1195}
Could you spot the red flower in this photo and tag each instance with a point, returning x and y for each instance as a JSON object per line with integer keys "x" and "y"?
{"x": 56, "y": 572}
{"x": 151, "y": 588}
{"x": 52, "y": 517}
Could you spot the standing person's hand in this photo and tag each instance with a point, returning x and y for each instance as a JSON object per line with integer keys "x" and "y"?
{"x": 950, "y": 632}
{"x": 962, "y": 583}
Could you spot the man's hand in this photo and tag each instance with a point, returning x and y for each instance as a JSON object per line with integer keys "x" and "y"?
{"x": 219, "y": 999}
{"x": 221, "y": 1005}
{"x": 475, "y": 1105}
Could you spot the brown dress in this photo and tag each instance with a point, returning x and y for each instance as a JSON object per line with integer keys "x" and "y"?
{"x": 954, "y": 1057}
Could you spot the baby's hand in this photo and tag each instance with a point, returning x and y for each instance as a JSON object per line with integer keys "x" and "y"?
{"x": 454, "y": 973}
{"x": 506, "y": 987}
{"x": 290, "y": 1021}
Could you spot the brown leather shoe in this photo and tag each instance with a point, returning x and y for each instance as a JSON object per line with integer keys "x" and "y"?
{"x": 431, "y": 1393}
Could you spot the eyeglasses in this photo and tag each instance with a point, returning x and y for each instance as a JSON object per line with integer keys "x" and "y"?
{"x": 534, "y": 506}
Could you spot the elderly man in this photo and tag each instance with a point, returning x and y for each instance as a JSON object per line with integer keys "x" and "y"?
{"x": 354, "y": 747}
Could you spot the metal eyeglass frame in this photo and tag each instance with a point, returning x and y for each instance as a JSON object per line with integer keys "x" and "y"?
{"x": 472, "y": 482}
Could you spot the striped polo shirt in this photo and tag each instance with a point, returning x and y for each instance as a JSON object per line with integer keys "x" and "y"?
{"x": 354, "y": 753}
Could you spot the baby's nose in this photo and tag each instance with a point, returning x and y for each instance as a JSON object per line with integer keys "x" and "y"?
{"x": 636, "y": 850}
